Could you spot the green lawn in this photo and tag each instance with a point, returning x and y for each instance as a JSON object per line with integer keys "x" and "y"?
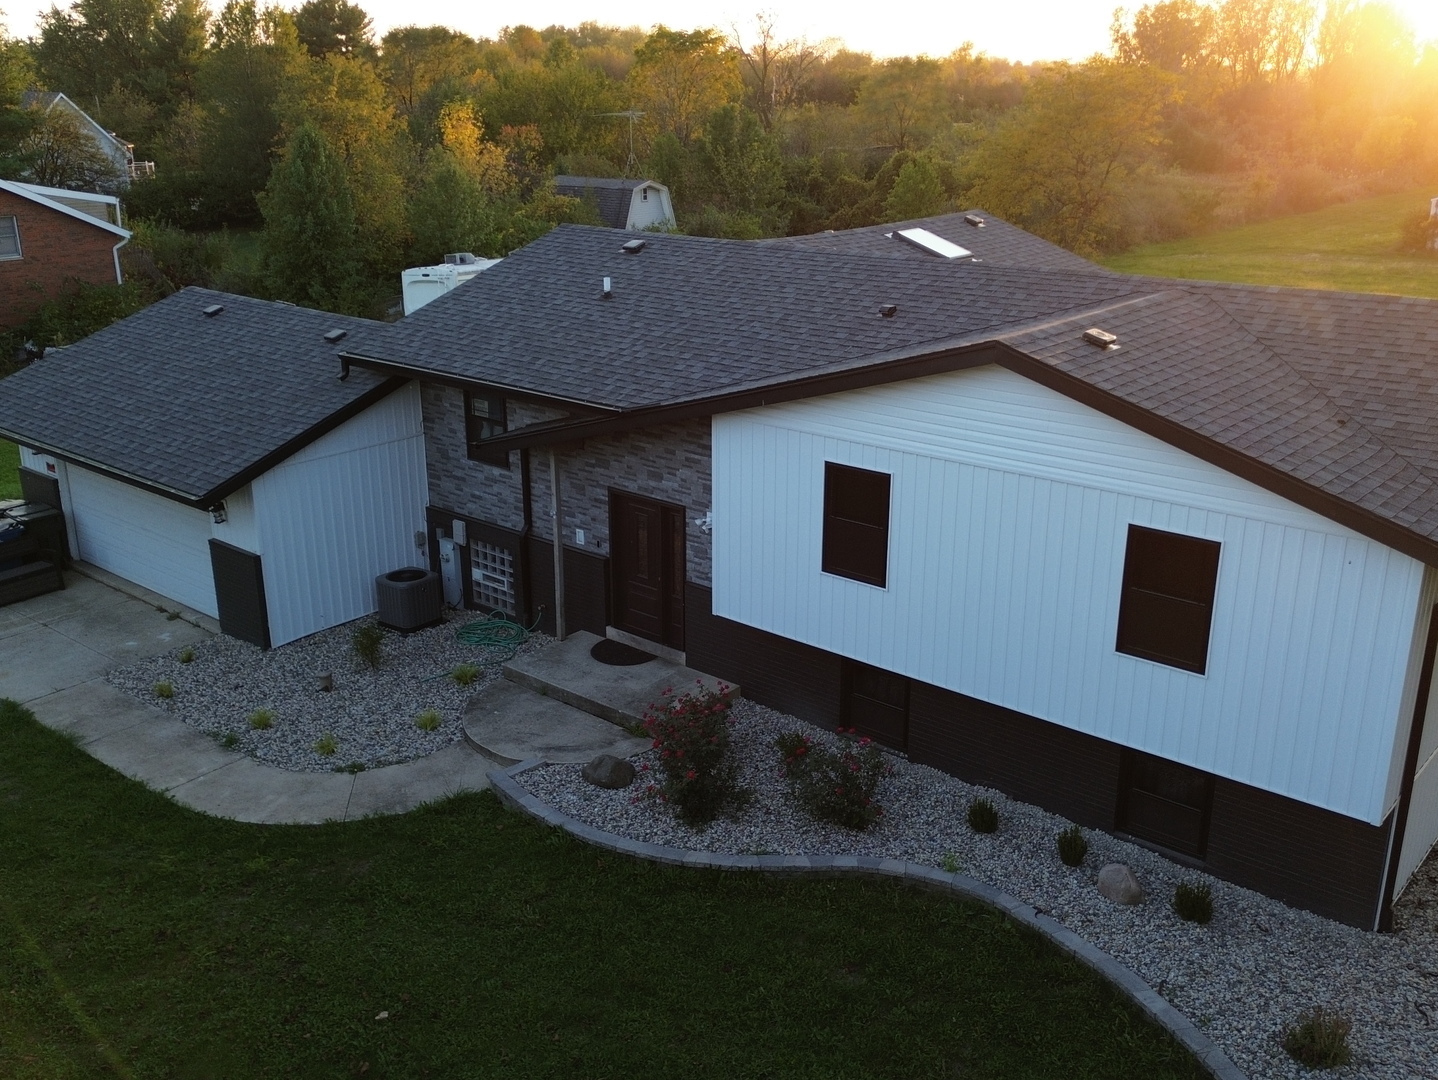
{"x": 140, "y": 939}
{"x": 1352, "y": 247}
{"x": 9, "y": 470}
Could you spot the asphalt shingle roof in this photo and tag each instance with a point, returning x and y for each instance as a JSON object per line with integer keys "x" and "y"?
{"x": 612, "y": 198}
{"x": 182, "y": 401}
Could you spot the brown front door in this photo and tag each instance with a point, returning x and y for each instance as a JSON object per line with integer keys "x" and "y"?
{"x": 647, "y": 549}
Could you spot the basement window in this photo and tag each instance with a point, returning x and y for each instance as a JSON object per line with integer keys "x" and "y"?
{"x": 492, "y": 571}
{"x": 856, "y": 524}
{"x": 9, "y": 238}
{"x": 484, "y": 419}
{"x": 1166, "y": 608}
{"x": 1164, "y": 803}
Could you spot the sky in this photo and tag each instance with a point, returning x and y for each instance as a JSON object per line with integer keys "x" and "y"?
{"x": 1013, "y": 29}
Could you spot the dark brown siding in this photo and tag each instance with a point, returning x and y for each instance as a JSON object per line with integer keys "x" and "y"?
{"x": 1064, "y": 771}
{"x": 786, "y": 675}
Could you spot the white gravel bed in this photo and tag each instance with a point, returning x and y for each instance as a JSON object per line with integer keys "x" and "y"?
{"x": 1242, "y": 978}
{"x": 370, "y": 713}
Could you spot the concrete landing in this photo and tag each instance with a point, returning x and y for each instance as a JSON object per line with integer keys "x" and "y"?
{"x": 567, "y": 672}
{"x": 512, "y": 723}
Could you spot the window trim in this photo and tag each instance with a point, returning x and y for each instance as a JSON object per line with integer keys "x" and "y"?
{"x": 826, "y": 563}
{"x": 473, "y": 444}
{"x": 1128, "y": 648}
{"x": 19, "y": 247}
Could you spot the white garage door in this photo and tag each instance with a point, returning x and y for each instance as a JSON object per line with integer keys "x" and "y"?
{"x": 155, "y": 542}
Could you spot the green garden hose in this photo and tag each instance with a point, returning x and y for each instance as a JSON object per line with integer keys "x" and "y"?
{"x": 496, "y": 632}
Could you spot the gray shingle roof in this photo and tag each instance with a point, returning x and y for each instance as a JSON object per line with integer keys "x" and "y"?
{"x": 186, "y": 403}
{"x": 995, "y": 242}
{"x": 612, "y": 198}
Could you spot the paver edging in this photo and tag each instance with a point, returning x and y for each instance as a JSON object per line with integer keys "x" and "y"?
{"x": 505, "y": 785}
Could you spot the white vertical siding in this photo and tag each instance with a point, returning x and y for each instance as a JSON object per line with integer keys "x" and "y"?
{"x": 340, "y": 512}
{"x": 1422, "y": 828}
{"x": 1010, "y": 509}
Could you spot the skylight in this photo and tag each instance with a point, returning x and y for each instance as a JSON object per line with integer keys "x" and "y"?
{"x": 933, "y": 243}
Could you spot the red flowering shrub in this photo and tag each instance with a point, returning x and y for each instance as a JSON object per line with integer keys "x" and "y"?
{"x": 835, "y": 785}
{"x": 691, "y": 732}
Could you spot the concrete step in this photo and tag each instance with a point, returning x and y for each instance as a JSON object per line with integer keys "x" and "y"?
{"x": 621, "y": 695}
{"x": 510, "y": 723}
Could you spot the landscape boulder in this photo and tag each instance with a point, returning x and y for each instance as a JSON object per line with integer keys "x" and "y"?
{"x": 1116, "y": 881}
{"x": 608, "y": 771}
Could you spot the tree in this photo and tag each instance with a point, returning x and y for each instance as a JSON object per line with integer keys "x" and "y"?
{"x": 680, "y": 77}
{"x": 1262, "y": 40}
{"x": 777, "y": 73}
{"x": 334, "y": 28}
{"x": 416, "y": 59}
{"x": 739, "y": 165}
{"x": 1057, "y": 165}
{"x": 918, "y": 192}
{"x": 902, "y": 101}
{"x": 1175, "y": 35}
{"x": 17, "y": 72}
{"x": 311, "y": 251}
{"x": 58, "y": 153}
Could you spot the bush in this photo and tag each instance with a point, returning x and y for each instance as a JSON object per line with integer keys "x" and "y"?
{"x": 368, "y": 643}
{"x": 164, "y": 689}
{"x": 983, "y": 816}
{"x": 262, "y": 720}
{"x": 429, "y": 720}
{"x": 229, "y": 740}
{"x": 835, "y": 785}
{"x": 1319, "y": 1040}
{"x": 1193, "y": 903}
{"x": 1072, "y": 846}
{"x": 326, "y": 745}
{"x": 700, "y": 776}
{"x": 465, "y": 674}
{"x": 187, "y": 655}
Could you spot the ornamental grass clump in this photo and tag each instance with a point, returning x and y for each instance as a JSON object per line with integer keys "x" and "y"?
{"x": 983, "y": 816}
{"x": 1319, "y": 1040}
{"x": 262, "y": 719}
{"x": 1072, "y": 846}
{"x": 164, "y": 689}
{"x": 699, "y": 776}
{"x": 464, "y": 674}
{"x": 429, "y": 720}
{"x": 1193, "y": 903}
{"x": 838, "y": 786}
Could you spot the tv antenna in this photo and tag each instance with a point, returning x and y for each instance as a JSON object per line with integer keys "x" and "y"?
{"x": 633, "y": 114}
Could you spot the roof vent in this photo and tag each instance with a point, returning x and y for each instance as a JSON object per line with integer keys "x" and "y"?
{"x": 335, "y": 335}
{"x": 974, "y": 220}
{"x": 632, "y": 247}
{"x": 212, "y": 310}
{"x": 607, "y": 293}
{"x": 933, "y": 243}
{"x": 888, "y": 311}
{"x": 1102, "y": 338}
{"x": 460, "y": 258}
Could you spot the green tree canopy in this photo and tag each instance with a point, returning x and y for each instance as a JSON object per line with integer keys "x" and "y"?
{"x": 334, "y": 27}
{"x": 680, "y": 77}
{"x": 918, "y": 192}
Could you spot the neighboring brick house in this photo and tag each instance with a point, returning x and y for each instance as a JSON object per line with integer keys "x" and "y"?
{"x": 47, "y": 246}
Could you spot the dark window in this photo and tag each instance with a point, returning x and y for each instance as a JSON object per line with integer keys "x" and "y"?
{"x": 484, "y": 419}
{"x": 9, "y": 238}
{"x": 1165, "y": 803}
{"x": 1167, "y": 603}
{"x": 856, "y": 523}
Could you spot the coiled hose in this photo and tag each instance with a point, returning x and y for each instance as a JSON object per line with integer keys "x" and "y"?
{"x": 497, "y": 632}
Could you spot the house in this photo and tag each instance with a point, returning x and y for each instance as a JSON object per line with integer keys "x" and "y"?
{"x": 51, "y": 239}
{"x": 121, "y": 153}
{"x": 1160, "y": 556}
{"x": 622, "y": 204}
{"x": 204, "y": 449}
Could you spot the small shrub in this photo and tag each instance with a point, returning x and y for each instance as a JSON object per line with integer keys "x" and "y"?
{"x": 691, "y": 733}
{"x": 1193, "y": 903}
{"x": 837, "y": 786}
{"x": 1319, "y": 1040}
{"x": 465, "y": 674}
{"x": 950, "y": 864}
{"x": 164, "y": 689}
{"x": 1072, "y": 846}
{"x": 229, "y": 740}
{"x": 262, "y": 720}
{"x": 983, "y": 816}
{"x": 429, "y": 720}
{"x": 326, "y": 745}
{"x": 187, "y": 655}
{"x": 368, "y": 644}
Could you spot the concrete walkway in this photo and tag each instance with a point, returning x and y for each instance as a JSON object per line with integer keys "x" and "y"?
{"x": 55, "y": 650}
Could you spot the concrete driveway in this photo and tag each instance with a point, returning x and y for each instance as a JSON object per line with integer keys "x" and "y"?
{"x": 56, "y": 649}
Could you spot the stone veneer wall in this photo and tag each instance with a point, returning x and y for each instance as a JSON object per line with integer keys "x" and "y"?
{"x": 671, "y": 463}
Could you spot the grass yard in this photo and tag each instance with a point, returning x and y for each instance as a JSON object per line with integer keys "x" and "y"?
{"x": 1351, "y": 247}
{"x": 9, "y": 470}
{"x": 140, "y": 939}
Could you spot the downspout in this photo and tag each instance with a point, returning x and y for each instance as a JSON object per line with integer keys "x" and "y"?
{"x": 119, "y": 277}
{"x": 527, "y": 499}
{"x": 556, "y": 520}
